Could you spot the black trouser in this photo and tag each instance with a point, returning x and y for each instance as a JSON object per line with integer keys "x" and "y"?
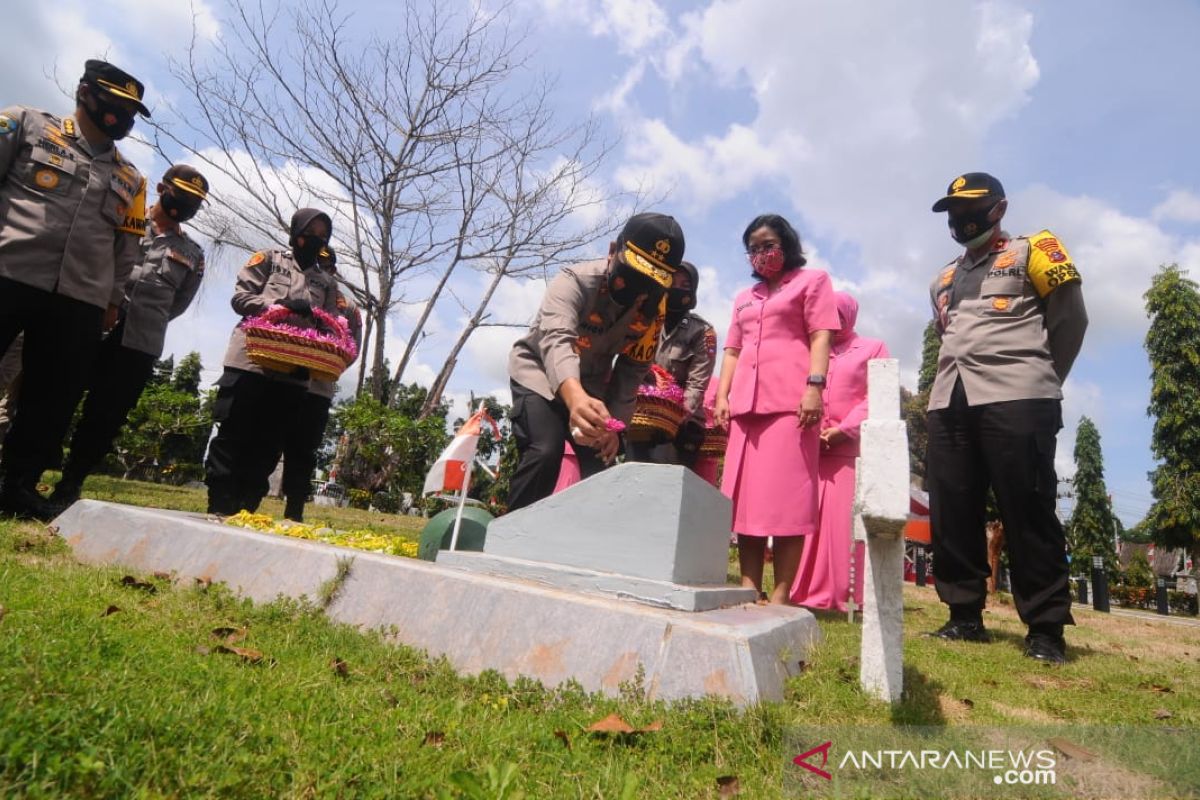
{"x": 682, "y": 450}
{"x": 1009, "y": 446}
{"x": 119, "y": 377}
{"x": 300, "y": 445}
{"x": 252, "y": 413}
{"x": 61, "y": 337}
{"x": 541, "y": 428}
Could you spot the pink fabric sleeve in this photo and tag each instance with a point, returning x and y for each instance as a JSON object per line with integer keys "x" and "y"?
{"x": 820, "y": 306}
{"x": 733, "y": 339}
{"x": 851, "y": 423}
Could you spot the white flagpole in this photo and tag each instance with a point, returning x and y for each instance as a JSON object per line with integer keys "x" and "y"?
{"x": 462, "y": 501}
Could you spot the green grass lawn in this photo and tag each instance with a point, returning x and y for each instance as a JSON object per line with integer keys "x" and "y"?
{"x": 112, "y": 690}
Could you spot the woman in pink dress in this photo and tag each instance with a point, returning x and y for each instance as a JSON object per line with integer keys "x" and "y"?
{"x": 823, "y": 580}
{"x": 769, "y": 398}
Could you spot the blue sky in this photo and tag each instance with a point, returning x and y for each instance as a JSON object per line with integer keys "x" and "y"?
{"x": 847, "y": 116}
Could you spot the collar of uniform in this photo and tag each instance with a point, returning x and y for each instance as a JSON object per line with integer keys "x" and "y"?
{"x": 784, "y": 280}
{"x": 69, "y": 127}
{"x": 1000, "y": 246}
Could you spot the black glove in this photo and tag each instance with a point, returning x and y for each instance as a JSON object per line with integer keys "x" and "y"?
{"x": 688, "y": 441}
{"x": 301, "y": 307}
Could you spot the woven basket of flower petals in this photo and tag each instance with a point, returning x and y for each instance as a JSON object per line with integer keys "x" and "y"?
{"x": 279, "y": 340}
{"x": 659, "y": 409}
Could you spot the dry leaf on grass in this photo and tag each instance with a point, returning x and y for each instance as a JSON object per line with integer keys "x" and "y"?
{"x": 203, "y": 583}
{"x": 1161, "y": 689}
{"x": 435, "y": 738}
{"x": 390, "y": 698}
{"x": 230, "y": 635}
{"x": 1162, "y": 713}
{"x": 1070, "y": 749}
{"x": 562, "y": 737}
{"x": 340, "y": 668}
{"x": 108, "y": 612}
{"x": 729, "y": 786}
{"x": 614, "y": 724}
{"x": 134, "y": 583}
{"x": 164, "y": 576}
{"x": 245, "y": 653}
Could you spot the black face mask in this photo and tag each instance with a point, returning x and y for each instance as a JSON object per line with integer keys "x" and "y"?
{"x": 177, "y": 209}
{"x": 122, "y": 118}
{"x": 625, "y": 284}
{"x": 307, "y": 248}
{"x": 680, "y": 300}
{"x": 966, "y": 227}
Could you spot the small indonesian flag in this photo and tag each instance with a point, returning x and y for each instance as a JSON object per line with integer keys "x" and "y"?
{"x": 450, "y": 470}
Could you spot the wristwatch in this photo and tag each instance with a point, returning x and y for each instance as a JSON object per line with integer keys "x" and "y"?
{"x": 816, "y": 380}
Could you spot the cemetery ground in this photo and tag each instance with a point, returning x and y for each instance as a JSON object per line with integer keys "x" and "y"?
{"x": 119, "y": 685}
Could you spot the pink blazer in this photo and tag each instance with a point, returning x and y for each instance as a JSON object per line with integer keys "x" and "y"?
{"x": 845, "y": 394}
{"x": 772, "y": 334}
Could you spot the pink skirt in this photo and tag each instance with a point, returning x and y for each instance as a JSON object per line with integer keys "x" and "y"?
{"x": 823, "y": 579}
{"x": 771, "y": 475}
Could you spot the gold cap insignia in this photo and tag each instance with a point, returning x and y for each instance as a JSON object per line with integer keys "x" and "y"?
{"x": 663, "y": 246}
{"x": 959, "y": 183}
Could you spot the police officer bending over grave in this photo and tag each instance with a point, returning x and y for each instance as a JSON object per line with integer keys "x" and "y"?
{"x": 72, "y": 212}
{"x": 1011, "y": 316}
{"x": 564, "y": 380}
{"x": 161, "y": 288}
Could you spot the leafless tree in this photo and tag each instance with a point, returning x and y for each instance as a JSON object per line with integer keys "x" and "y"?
{"x": 404, "y": 138}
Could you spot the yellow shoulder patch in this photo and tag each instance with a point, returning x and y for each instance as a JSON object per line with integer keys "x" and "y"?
{"x": 135, "y": 213}
{"x": 1050, "y": 265}
{"x": 644, "y": 348}
{"x": 256, "y": 259}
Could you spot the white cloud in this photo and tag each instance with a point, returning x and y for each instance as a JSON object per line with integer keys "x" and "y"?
{"x": 1180, "y": 205}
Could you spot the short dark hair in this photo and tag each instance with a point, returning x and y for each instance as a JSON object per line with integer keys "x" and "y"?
{"x": 793, "y": 252}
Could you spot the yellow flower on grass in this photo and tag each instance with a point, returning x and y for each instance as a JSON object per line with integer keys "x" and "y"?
{"x": 366, "y": 540}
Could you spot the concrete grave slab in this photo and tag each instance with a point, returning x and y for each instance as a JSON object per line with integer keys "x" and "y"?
{"x": 477, "y": 621}
{"x": 610, "y": 584}
{"x": 631, "y": 520}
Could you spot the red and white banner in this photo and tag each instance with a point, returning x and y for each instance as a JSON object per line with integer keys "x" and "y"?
{"x": 449, "y": 472}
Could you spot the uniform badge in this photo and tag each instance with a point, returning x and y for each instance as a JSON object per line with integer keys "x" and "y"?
{"x": 595, "y": 319}
{"x": 7, "y": 125}
{"x": 584, "y": 342}
{"x": 1000, "y": 303}
{"x": 256, "y": 259}
{"x": 710, "y": 341}
{"x": 46, "y": 178}
{"x": 1005, "y": 260}
{"x": 947, "y": 276}
{"x": 1052, "y": 249}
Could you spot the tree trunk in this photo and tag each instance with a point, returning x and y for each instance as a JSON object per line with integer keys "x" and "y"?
{"x": 439, "y": 385}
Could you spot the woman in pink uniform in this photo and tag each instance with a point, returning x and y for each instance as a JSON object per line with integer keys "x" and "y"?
{"x": 769, "y": 397}
{"x": 824, "y": 577}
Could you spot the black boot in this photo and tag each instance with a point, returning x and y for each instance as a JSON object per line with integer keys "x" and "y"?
{"x": 21, "y": 499}
{"x": 65, "y": 494}
{"x": 294, "y": 509}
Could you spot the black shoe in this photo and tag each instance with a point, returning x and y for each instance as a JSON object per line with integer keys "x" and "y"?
{"x": 65, "y": 494}
{"x": 24, "y": 502}
{"x": 957, "y": 630}
{"x": 1047, "y": 648}
{"x": 294, "y": 511}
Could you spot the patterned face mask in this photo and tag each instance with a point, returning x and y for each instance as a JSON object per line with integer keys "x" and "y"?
{"x": 767, "y": 263}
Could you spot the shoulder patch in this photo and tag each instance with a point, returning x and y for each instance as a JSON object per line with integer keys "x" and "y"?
{"x": 710, "y": 340}
{"x": 1050, "y": 265}
{"x": 257, "y": 259}
{"x": 8, "y": 125}
{"x": 643, "y": 349}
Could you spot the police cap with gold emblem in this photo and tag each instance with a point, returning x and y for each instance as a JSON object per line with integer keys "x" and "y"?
{"x": 115, "y": 82}
{"x": 970, "y": 186}
{"x": 653, "y": 245}
{"x": 187, "y": 179}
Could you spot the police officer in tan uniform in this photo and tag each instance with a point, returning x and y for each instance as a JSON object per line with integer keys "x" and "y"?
{"x": 302, "y": 440}
{"x": 585, "y": 354}
{"x": 72, "y": 212}
{"x": 255, "y": 406}
{"x": 162, "y": 286}
{"x": 688, "y": 351}
{"x": 1011, "y": 316}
